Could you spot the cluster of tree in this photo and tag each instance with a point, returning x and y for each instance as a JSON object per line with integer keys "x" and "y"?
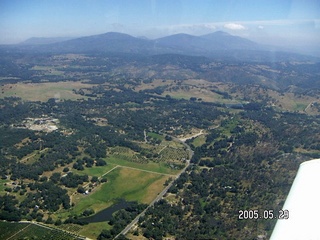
{"x": 8, "y": 209}
{"x": 9, "y": 137}
{"x": 45, "y": 196}
{"x": 48, "y": 196}
{"x": 208, "y": 201}
{"x": 58, "y": 155}
{"x": 289, "y": 130}
{"x": 88, "y": 162}
{"x": 239, "y": 173}
{"x": 72, "y": 180}
{"x": 75, "y": 220}
{"x": 121, "y": 219}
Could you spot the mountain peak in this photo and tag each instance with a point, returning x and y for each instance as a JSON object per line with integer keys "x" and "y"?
{"x": 217, "y": 34}
{"x": 177, "y": 36}
{"x": 111, "y": 36}
{"x": 222, "y": 33}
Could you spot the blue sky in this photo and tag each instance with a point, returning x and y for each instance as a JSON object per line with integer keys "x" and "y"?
{"x": 278, "y": 22}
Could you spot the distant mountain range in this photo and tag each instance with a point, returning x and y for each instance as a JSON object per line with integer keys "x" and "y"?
{"x": 211, "y": 42}
{"x": 218, "y": 45}
{"x": 43, "y": 40}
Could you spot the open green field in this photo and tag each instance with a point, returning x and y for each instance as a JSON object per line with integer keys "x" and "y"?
{"x": 47, "y": 70}
{"x": 43, "y": 91}
{"x": 204, "y": 94}
{"x": 2, "y": 186}
{"x": 93, "y": 230}
{"x": 128, "y": 184}
{"x": 294, "y": 103}
{"x": 300, "y": 106}
{"x": 160, "y": 167}
{"x": 155, "y": 135}
{"x": 199, "y": 93}
{"x": 94, "y": 171}
{"x": 230, "y": 125}
{"x": 199, "y": 141}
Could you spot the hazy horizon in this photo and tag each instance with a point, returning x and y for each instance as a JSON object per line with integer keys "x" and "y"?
{"x": 289, "y": 23}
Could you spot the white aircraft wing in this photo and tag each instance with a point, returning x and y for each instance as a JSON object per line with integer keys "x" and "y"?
{"x": 303, "y": 205}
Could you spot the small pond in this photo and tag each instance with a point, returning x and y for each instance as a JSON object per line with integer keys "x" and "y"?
{"x": 106, "y": 214}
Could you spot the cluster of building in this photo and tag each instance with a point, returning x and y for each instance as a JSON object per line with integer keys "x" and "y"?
{"x": 46, "y": 124}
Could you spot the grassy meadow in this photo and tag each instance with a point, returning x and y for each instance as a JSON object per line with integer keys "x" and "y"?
{"x": 43, "y": 91}
{"x": 160, "y": 167}
{"x": 125, "y": 183}
{"x": 199, "y": 141}
{"x": 2, "y": 186}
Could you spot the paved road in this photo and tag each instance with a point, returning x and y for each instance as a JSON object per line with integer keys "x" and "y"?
{"x": 164, "y": 191}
